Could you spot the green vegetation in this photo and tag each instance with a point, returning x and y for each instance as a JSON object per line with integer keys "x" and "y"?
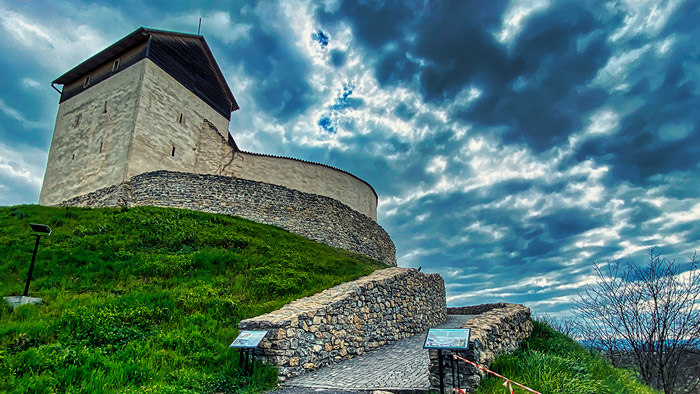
{"x": 147, "y": 299}
{"x": 553, "y": 363}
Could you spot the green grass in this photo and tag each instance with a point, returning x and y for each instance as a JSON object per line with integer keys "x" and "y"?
{"x": 147, "y": 299}
{"x": 552, "y": 363}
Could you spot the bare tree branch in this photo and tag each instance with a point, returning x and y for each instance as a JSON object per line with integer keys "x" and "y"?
{"x": 651, "y": 312}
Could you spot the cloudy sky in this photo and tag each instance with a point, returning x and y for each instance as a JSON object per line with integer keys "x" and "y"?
{"x": 510, "y": 142}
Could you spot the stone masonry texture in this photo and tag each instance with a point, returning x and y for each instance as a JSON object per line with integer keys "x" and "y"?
{"x": 349, "y": 319}
{"x": 497, "y": 329}
{"x": 313, "y": 216}
{"x": 141, "y": 120}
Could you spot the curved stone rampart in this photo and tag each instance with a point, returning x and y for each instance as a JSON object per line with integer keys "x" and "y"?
{"x": 313, "y": 216}
{"x": 496, "y": 329}
{"x": 307, "y": 177}
{"x": 349, "y": 319}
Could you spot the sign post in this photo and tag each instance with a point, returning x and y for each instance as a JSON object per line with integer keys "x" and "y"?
{"x": 247, "y": 342}
{"x": 39, "y": 230}
{"x": 446, "y": 339}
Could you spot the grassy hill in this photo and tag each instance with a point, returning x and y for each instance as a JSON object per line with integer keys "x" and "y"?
{"x": 147, "y": 299}
{"x": 553, "y": 363}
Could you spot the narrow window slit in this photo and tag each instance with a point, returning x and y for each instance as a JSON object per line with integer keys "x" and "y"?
{"x": 105, "y": 107}
{"x": 101, "y": 147}
{"x": 173, "y": 152}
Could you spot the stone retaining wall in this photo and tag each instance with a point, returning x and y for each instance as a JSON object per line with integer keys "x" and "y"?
{"x": 349, "y": 319}
{"x": 497, "y": 329}
{"x": 313, "y": 216}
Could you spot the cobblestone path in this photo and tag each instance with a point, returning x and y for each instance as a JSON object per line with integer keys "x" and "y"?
{"x": 402, "y": 365}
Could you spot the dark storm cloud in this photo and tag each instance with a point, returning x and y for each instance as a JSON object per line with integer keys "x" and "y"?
{"x": 663, "y": 134}
{"x": 269, "y": 61}
{"x": 456, "y": 41}
{"x": 374, "y": 23}
{"x": 535, "y": 87}
{"x": 564, "y": 223}
{"x": 395, "y": 67}
{"x": 553, "y": 71}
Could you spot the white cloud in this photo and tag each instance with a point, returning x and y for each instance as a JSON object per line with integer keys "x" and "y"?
{"x": 646, "y": 17}
{"x": 16, "y": 115}
{"x": 552, "y": 302}
{"x": 604, "y": 122}
{"x": 663, "y": 46}
{"x": 516, "y": 16}
{"x": 21, "y": 173}
{"x": 30, "y": 83}
{"x": 466, "y": 96}
{"x": 214, "y": 23}
{"x": 437, "y": 165}
{"x": 56, "y": 44}
{"x": 226, "y": 30}
{"x": 614, "y": 74}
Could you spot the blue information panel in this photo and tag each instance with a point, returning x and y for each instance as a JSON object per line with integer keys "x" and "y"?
{"x": 447, "y": 338}
{"x": 248, "y": 339}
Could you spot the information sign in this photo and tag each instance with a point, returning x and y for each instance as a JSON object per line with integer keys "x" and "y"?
{"x": 248, "y": 339}
{"x": 447, "y": 338}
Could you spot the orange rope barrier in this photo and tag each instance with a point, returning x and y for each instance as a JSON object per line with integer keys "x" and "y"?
{"x": 506, "y": 383}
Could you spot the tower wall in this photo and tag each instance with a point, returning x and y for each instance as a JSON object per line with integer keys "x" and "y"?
{"x": 91, "y": 137}
{"x": 151, "y": 123}
{"x": 170, "y": 116}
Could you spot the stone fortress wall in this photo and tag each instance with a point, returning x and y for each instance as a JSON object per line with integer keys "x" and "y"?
{"x": 496, "y": 329}
{"x": 308, "y": 177}
{"x": 349, "y": 319}
{"x": 313, "y": 216}
{"x": 142, "y": 120}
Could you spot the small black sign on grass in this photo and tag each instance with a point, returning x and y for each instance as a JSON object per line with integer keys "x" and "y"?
{"x": 246, "y": 342}
{"x": 38, "y": 230}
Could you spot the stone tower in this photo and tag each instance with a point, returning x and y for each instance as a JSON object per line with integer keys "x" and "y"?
{"x": 154, "y": 100}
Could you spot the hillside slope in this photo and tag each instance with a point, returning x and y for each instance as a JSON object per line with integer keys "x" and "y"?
{"x": 552, "y": 363}
{"x": 147, "y": 299}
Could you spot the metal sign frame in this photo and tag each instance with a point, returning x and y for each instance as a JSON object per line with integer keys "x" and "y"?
{"x": 247, "y": 342}
{"x": 248, "y": 339}
{"x": 447, "y": 339}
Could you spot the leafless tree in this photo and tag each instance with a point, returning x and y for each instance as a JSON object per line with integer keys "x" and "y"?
{"x": 652, "y": 311}
{"x": 565, "y": 325}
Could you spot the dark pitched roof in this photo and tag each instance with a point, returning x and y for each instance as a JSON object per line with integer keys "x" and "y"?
{"x": 186, "y": 57}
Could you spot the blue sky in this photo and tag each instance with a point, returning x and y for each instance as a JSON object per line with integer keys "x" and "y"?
{"x": 510, "y": 142}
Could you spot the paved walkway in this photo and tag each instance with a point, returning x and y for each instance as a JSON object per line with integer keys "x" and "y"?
{"x": 400, "y": 366}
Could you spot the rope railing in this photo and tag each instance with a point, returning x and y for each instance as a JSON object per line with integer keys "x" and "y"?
{"x": 507, "y": 382}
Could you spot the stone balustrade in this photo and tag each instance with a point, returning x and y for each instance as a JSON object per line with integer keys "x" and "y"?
{"x": 496, "y": 329}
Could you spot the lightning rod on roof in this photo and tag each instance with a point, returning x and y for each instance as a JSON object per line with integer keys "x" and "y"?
{"x": 199, "y": 28}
